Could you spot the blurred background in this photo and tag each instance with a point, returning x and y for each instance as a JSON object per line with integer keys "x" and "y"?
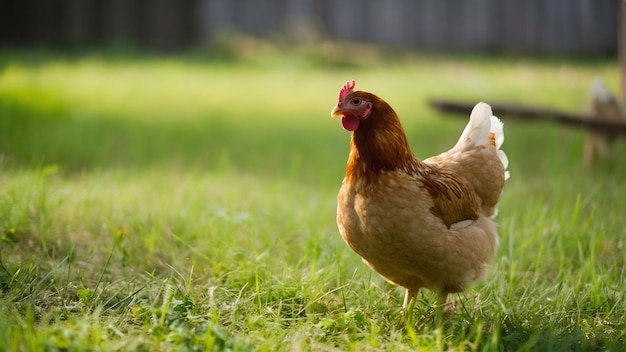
{"x": 196, "y": 134}
{"x": 535, "y": 26}
{"x": 137, "y": 81}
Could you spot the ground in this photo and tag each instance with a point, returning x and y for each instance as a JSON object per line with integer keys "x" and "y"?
{"x": 188, "y": 203}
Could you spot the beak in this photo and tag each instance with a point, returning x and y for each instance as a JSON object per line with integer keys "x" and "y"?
{"x": 336, "y": 111}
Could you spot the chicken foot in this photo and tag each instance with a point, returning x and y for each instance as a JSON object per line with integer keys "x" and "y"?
{"x": 442, "y": 300}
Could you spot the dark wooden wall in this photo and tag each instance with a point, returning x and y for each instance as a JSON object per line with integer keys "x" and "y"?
{"x": 160, "y": 24}
{"x": 534, "y": 26}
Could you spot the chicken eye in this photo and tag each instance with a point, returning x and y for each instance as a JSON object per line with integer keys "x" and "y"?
{"x": 356, "y": 101}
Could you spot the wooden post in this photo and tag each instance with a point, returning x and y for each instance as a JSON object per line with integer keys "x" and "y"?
{"x": 621, "y": 47}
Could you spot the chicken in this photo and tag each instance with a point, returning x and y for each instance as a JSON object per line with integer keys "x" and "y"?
{"x": 419, "y": 223}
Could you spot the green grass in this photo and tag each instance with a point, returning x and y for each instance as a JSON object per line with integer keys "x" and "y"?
{"x": 174, "y": 204}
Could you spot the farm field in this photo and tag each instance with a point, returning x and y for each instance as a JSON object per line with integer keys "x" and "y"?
{"x": 188, "y": 203}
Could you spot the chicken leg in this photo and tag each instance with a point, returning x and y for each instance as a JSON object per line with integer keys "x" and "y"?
{"x": 443, "y": 304}
{"x": 409, "y": 296}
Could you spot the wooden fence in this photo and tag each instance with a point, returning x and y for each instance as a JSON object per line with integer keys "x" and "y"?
{"x": 532, "y": 26}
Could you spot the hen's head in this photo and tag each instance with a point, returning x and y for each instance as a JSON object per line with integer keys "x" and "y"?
{"x": 353, "y": 106}
{"x": 358, "y": 108}
{"x": 377, "y": 133}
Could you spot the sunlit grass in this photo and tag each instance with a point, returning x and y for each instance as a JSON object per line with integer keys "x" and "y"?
{"x": 167, "y": 204}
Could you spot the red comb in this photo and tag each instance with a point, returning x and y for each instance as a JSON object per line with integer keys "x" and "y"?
{"x": 347, "y": 88}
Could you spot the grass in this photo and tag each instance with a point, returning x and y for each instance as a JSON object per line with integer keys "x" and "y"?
{"x": 179, "y": 204}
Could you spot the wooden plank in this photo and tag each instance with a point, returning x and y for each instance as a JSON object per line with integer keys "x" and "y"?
{"x": 589, "y": 122}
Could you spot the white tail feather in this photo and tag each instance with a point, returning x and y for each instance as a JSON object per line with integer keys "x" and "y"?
{"x": 497, "y": 128}
{"x": 476, "y": 133}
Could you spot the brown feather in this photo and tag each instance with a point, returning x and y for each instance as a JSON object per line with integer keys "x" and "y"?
{"x": 380, "y": 142}
{"x": 453, "y": 197}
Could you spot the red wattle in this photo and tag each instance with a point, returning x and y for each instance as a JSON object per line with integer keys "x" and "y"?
{"x": 350, "y": 123}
